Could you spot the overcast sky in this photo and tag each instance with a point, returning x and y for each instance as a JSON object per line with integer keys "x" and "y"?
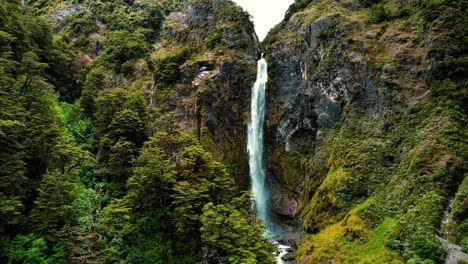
{"x": 266, "y": 13}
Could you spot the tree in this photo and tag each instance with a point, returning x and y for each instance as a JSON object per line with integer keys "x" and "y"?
{"x": 123, "y": 49}
{"x": 107, "y": 104}
{"x": 29, "y": 249}
{"x": 63, "y": 71}
{"x": 116, "y": 226}
{"x": 200, "y": 179}
{"x": 122, "y": 113}
{"x": 172, "y": 180}
{"x": 95, "y": 82}
{"x": 86, "y": 236}
{"x": 12, "y": 167}
{"x": 128, "y": 125}
{"x": 121, "y": 126}
{"x": 118, "y": 166}
{"x": 153, "y": 178}
{"x": 229, "y": 231}
{"x": 53, "y": 208}
{"x": 30, "y": 71}
{"x": 28, "y": 122}
{"x": 41, "y": 118}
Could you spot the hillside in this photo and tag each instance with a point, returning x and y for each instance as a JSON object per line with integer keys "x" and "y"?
{"x": 366, "y": 128}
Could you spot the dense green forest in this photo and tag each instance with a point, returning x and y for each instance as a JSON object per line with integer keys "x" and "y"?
{"x": 93, "y": 167}
{"x": 123, "y": 131}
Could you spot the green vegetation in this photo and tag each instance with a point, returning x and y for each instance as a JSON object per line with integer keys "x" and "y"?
{"x": 94, "y": 165}
{"x": 224, "y": 225}
{"x": 459, "y": 228}
{"x": 114, "y": 149}
{"x": 397, "y": 156}
{"x": 414, "y": 232}
{"x": 351, "y": 240}
{"x": 30, "y": 249}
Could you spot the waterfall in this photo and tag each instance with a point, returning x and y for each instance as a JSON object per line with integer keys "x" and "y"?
{"x": 255, "y": 150}
{"x": 255, "y": 144}
{"x": 152, "y": 95}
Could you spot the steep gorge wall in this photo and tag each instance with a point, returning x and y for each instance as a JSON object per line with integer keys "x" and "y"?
{"x": 366, "y": 111}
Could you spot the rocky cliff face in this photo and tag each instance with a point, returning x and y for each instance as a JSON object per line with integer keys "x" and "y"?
{"x": 212, "y": 96}
{"x": 318, "y": 68}
{"x": 352, "y": 122}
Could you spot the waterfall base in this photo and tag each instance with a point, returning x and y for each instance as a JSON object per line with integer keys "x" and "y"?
{"x": 282, "y": 250}
{"x": 284, "y": 237}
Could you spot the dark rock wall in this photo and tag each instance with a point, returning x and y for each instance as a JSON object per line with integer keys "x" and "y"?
{"x": 335, "y": 68}
{"x": 212, "y": 97}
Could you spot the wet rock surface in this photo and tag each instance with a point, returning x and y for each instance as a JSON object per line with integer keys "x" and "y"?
{"x": 282, "y": 202}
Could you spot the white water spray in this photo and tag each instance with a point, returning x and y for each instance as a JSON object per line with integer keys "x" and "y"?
{"x": 255, "y": 144}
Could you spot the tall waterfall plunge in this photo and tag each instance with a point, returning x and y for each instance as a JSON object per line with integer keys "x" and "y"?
{"x": 255, "y": 144}
{"x": 255, "y": 150}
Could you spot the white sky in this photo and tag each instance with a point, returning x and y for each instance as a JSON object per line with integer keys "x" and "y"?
{"x": 266, "y": 13}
